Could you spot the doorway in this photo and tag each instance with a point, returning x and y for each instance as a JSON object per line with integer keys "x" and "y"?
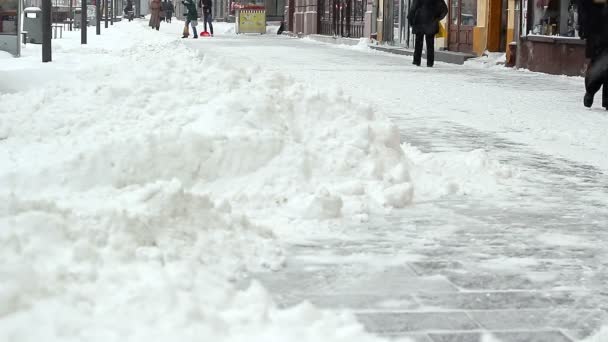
{"x": 497, "y": 26}
{"x": 461, "y": 21}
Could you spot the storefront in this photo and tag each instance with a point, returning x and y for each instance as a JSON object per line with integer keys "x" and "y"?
{"x": 476, "y": 26}
{"x": 345, "y": 18}
{"x": 549, "y": 39}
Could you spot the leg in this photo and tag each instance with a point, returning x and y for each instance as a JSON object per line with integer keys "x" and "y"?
{"x": 194, "y": 33}
{"x": 594, "y": 78}
{"x": 418, "y": 49}
{"x": 210, "y": 23}
{"x": 605, "y": 92}
{"x": 186, "y": 34}
{"x": 430, "y": 50}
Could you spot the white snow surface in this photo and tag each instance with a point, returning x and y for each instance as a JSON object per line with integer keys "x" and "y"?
{"x": 134, "y": 176}
{"x": 139, "y": 177}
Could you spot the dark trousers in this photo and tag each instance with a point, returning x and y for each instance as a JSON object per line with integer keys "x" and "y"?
{"x": 209, "y": 20}
{"x": 597, "y": 77}
{"x": 194, "y": 33}
{"x": 430, "y": 49}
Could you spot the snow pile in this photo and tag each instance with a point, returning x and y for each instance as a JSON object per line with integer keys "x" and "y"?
{"x": 601, "y": 336}
{"x": 132, "y": 191}
{"x": 5, "y": 55}
{"x": 488, "y": 60}
{"x": 457, "y": 173}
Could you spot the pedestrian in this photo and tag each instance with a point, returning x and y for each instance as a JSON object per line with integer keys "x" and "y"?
{"x": 281, "y": 28}
{"x": 169, "y": 11}
{"x": 593, "y": 26}
{"x": 162, "y": 10}
{"x": 129, "y": 10}
{"x": 424, "y": 17}
{"x": 207, "y": 16}
{"x": 191, "y": 18}
{"x": 155, "y": 14}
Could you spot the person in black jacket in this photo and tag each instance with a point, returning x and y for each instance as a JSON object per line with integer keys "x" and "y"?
{"x": 207, "y": 16}
{"x": 424, "y": 16}
{"x": 593, "y": 26}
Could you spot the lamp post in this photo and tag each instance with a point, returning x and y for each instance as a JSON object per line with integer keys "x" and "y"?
{"x": 46, "y": 31}
{"x": 97, "y": 18}
{"x": 71, "y": 16}
{"x": 83, "y": 22}
{"x": 106, "y": 10}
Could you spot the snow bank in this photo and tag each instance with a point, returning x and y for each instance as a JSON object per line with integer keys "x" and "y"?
{"x": 601, "y": 336}
{"x": 457, "y": 173}
{"x": 132, "y": 191}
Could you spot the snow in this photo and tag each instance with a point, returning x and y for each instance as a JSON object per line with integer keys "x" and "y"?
{"x": 132, "y": 177}
{"x": 142, "y": 175}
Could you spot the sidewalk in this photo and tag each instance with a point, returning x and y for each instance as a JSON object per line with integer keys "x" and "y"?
{"x": 440, "y": 55}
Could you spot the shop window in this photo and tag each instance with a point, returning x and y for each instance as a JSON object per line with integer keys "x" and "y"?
{"x": 553, "y": 18}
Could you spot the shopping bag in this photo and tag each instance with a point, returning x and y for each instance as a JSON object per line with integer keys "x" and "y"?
{"x": 442, "y": 33}
{"x": 186, "y": 31}
{"x": 194, "y": 23}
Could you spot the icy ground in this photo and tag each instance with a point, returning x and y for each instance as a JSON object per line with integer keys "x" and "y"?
{"x": 142, "y": 176}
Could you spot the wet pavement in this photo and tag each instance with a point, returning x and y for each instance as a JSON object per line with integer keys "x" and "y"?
{"x": 528, "y": 265}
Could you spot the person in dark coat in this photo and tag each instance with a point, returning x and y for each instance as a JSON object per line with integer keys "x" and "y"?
{"x": 593, "y": 26}
{"x": 191, "y": 18}
{"x": 169, "y": 11}
{"x": 424, "y": 16}
{"x": 207, "y": 16}
{"x": 155, "y": 14}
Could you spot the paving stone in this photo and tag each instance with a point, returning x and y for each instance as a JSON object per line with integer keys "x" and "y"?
{"x": 540, "y": 319}
{"x": 393, "y": 323}
{"x": 532, "y": 336}
{"x": 411, "y": 337}
{"x": 370, "y": 302}
{"x": 485, "y": 300}
{"x": 456, "y": 337}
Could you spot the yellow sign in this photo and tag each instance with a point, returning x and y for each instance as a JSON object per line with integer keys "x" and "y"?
{"x": 253, "y": 21}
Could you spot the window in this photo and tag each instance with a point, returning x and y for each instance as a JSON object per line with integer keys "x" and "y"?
{"x": 468, "y": 13}
{"x": 552, "y": 18}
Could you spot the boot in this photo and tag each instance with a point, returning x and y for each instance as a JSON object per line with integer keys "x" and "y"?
{"x": 588, "y": 100}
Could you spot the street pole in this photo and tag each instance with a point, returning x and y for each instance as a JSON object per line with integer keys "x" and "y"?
{"x": 112, "y": 12}
{"x": 83, "y": 22}
{"x": 106, "y": 10}
{"x": 71, "y": 16}
{"x": 46, "y": 31}
{"x": 97, "y": 18}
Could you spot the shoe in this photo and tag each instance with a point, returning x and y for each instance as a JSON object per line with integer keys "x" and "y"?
{"x": 195, "y": 37}
{"x": 429, "y": 65}
{"x": 588, "y": 100}
{"x": 184, "y": 36}
{"x": 416, "y": 63}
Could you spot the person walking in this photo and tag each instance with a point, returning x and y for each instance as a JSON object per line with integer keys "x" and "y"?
{"x": 129, "y": 10}
{"x": 169, "y": 9}
{"x": 155, "y": 14}
{"x": 191, "y": 18}
{"x": 424, "y": 16}
{"x": 593, "y": 27}
{"x": 207, "y": 16}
